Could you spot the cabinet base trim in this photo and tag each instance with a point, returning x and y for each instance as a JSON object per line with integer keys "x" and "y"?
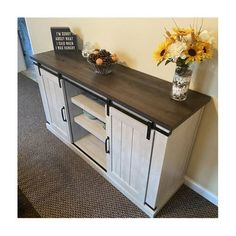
{"x": 201, "y": 190}
{"x": 153, "y": 209}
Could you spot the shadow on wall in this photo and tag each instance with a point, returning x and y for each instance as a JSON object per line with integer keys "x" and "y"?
{"x": 206, "y": 150}
{"x": 203, "y": 166}
{"x": 206, "y": 78}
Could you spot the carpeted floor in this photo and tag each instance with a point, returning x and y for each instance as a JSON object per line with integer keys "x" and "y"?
{"x": 55, "y": 182}
{"x": 25, "y": 208}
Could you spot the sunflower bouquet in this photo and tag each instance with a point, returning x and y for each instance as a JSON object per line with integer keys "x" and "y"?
{"x": 184, "y": 46}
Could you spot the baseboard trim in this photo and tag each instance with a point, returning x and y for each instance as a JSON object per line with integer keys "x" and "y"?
{"x": 201, "y": 190}
{"x": 21, "y": 74}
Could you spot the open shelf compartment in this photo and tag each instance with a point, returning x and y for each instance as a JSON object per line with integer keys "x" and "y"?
{"x": 90, "y": 105}
{"x": 95, "y": 127}
{"x": 94, "y": 148}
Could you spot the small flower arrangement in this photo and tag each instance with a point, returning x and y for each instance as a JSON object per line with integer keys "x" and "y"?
{"x": 184, "y": 46}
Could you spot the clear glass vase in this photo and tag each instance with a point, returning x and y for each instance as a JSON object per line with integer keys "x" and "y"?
{"x": 181, "y": 81}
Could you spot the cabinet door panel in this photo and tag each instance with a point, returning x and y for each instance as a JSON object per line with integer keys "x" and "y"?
{"x": 55, "y": 99}
{"x": 126, "y": 153}
{"x": 116, "y": 144}
{"x": 130, "y": 154}
{"x": 44, "y": 99}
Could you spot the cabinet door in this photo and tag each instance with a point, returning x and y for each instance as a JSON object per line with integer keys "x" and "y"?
{"x": 56, "y": 104}
{"x": 130, "y": 154}
{"x": 44, "y": 98}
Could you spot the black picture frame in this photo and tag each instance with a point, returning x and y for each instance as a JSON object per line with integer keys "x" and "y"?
{"x": 64, "y": 40}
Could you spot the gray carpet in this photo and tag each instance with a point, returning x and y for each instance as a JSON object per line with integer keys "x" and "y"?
{"x": 58, "y": 183}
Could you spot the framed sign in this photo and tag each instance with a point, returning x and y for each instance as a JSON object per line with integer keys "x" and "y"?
{"x": 64, "y": 40}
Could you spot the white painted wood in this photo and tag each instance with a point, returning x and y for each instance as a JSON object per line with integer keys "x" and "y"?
{"x": 117, "y": 184}
{"x": 143, "y": 207}
{"x": 158, "y": 155}
{"x": 49, "y": 75}
{"x": 90, "y": 106}
{"x": 94, "y": 148}
{"x": 201, "y": 190}
{"x": 42, "y": 90}
{"x": 55, "y": 101}
{"x": 139, "y": 116}
{"x": 95, "y": 127}
{"x": 130, "y": 154}
{"x": 126, "y": 153}
{"x": 168, "y": 162}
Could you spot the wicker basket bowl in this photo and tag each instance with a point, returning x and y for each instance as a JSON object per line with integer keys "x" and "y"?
{"x": 101, "y": 69}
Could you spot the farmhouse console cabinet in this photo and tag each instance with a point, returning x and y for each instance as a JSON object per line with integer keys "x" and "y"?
{"x": 125, "y": 125}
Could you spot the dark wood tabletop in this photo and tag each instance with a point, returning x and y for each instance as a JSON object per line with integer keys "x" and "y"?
{"x": 144, "y": 94}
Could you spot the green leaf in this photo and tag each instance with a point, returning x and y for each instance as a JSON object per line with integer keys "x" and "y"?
{"x": 180, "y": 62}
{"x": 168, "y": 61}
{"x": 159, "y": 63}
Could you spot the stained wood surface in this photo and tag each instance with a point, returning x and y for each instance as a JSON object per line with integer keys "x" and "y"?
{"x": 142, "y": 93}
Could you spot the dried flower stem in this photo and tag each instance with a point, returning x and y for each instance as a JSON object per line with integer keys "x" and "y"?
{"x": 200, "y": 27}
{"x": 175, "y": 23}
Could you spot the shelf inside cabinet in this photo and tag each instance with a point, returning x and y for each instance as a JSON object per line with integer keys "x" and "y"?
{"x": 91, "y": 106}
{"x": 94, "y": 148}
{"x": 95, "y": 127}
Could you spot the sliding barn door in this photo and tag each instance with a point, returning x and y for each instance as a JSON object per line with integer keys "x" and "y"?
{"x": 130, "y": 153}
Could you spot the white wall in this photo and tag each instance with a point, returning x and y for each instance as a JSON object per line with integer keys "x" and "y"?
{"x": 134, "y": 40}
{"x": 21, "y": 60}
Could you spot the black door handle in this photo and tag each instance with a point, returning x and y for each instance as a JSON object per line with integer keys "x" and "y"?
{"x": 62, "y": 114}
{"x": 106, "y": 145}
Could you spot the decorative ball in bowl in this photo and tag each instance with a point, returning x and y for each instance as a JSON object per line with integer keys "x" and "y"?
{"x": 102, "y": 61}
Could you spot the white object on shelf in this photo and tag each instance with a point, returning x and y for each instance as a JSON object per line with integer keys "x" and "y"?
{"x": 90, "y": 106}
{"x": 94, "y": 148}
{"x": 95, "y": 127}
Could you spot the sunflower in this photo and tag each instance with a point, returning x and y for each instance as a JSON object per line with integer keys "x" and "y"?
{"x": 182, "y": 31}
{"x": 193, "y": 53}
{"x": 161, "y": 53}
{"x": 207, "y": 50}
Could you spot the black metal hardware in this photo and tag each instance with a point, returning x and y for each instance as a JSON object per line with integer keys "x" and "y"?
{"x": 108, "y": 102}
{"x": 162, "y": 131}
{"x": 108, "y": 106}
{"x": 106, "y": 145}
{"x": 59, "y": 79}
{"x": 45, "y": 68}
{"x": 62, "y": 114}
{"x": 38, "y": 65}
{"x": 82, "y": 88}
{"x": 48, "y": 70}
{"x": 128, "y": 113}
{"x": 150, "y": 126}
